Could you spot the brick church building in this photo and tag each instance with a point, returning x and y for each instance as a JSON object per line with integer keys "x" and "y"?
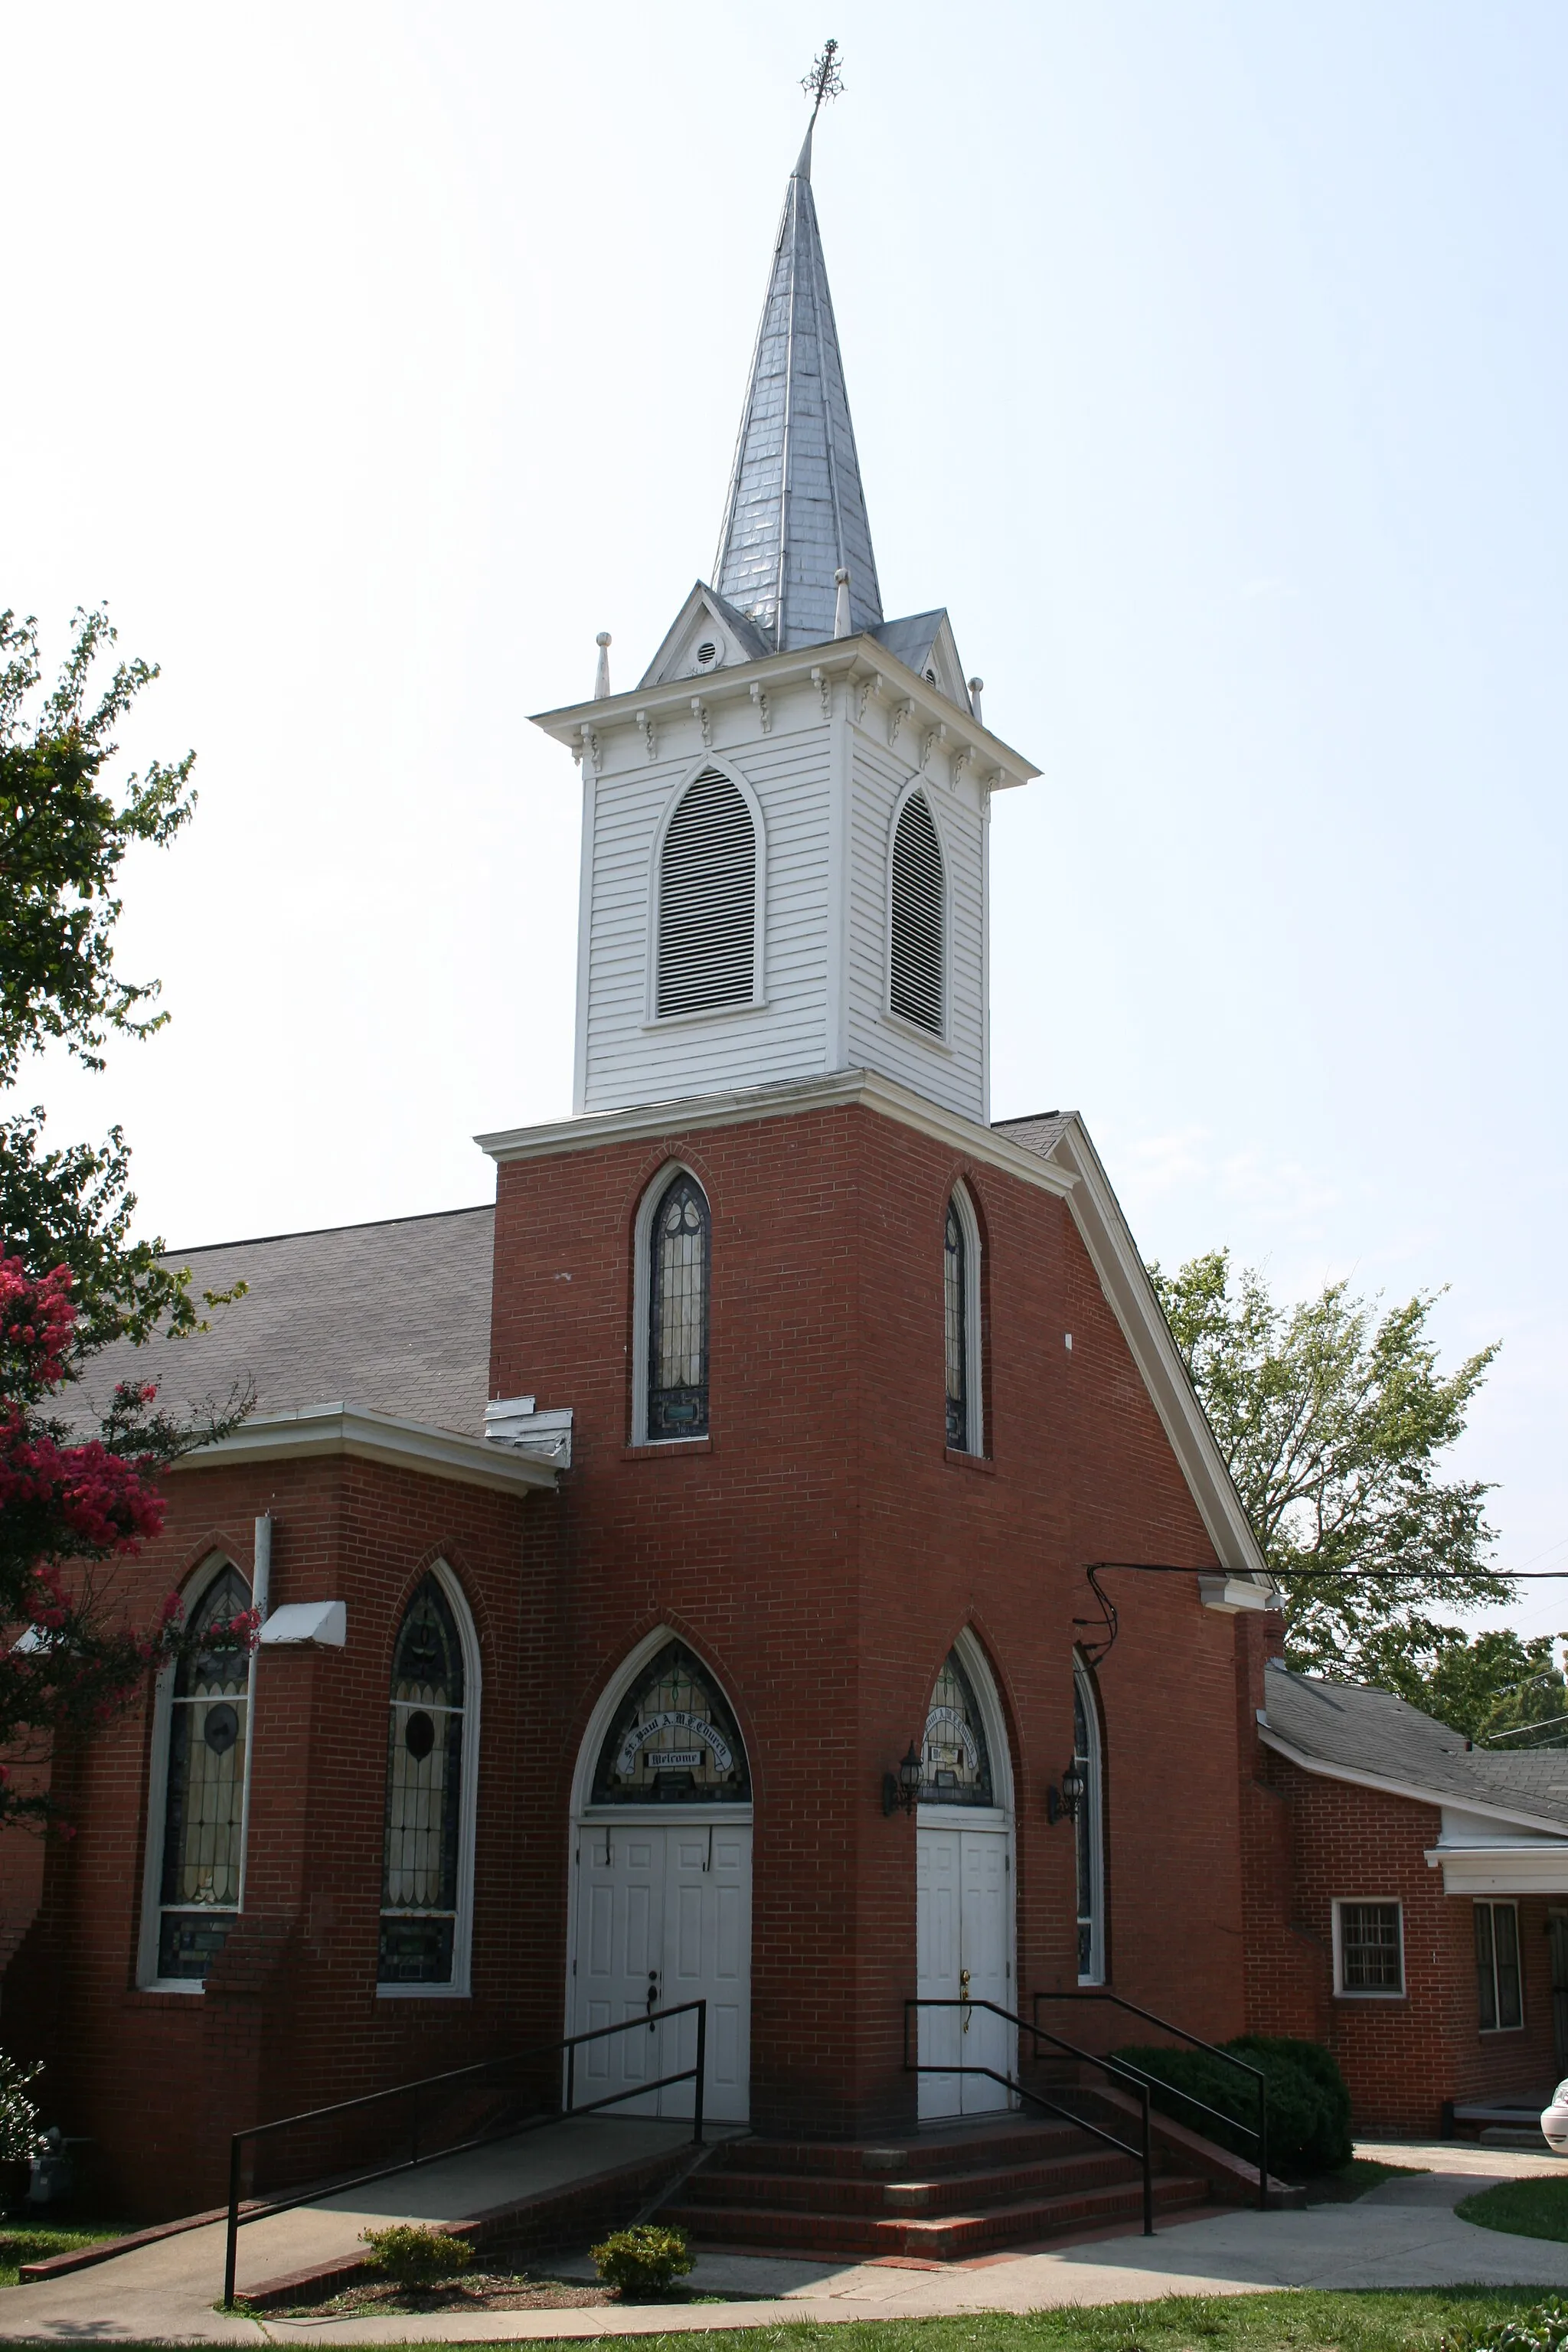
{"x": 619, "y": 1543}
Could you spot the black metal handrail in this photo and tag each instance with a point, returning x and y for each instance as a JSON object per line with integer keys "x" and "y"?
{"x": 568, "y": 2046}
{"x": 1228, "y": 2057}
{"x": 1111, "y": 2067}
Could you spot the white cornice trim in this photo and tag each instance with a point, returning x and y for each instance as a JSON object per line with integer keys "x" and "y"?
{"x": 861, "y": 1090}
{"x": 1501, "y": 1869}
{"x": 841, "y": 657}
{"x": 325, "y": 1430}
{"x": 1124, "y": 1279}
{"x": 1440, "y": 1797}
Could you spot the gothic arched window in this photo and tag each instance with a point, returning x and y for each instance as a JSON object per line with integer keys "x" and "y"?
{"x": 961, "y": 1325}
{"x": 707, "y": 901}
{"x": 427, "y": 1859}
{"x": 955, "y": 1752}
{"x": 201, "y": 1845}
{"x": 1090, "y": 1828}
{"x": 678, "y": 1259}
{"x": 917, "y": 918}
{"x": 674, "y": 1740}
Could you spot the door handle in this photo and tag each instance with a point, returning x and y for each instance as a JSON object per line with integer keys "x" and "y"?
{"x": 652, "y": 1996}
{"x": 963, "y": 1995}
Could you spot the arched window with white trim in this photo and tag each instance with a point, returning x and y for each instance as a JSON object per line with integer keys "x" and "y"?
{"x": 708, "y": 893}
{"x": 427, "y": 1897}
{"x": 917, "y": 920}
{"x": 674, "y": 1283}
{"x": 1089, "y": 1826}
{"x": 960, "y": 1297}
{"x": 196, "y": 1858}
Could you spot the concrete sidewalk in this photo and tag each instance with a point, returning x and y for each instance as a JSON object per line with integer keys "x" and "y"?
{"x": 1403, "y": 2234}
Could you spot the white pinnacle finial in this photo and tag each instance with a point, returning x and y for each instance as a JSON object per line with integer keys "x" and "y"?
{"x": 976, "y": 686}
{"x": 842, "y": 626}
{"x": 601, "y": 681}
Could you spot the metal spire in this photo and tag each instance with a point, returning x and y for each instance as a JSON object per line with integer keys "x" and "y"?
{"x": 796, "y": 513}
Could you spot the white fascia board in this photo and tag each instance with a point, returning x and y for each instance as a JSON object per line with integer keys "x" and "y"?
{"x": 319, "y": 1431}
{"x": 1124, "y": 1279}
{"x": 862, "y": 1089}
{"x": 841, "y": 658}
{"x": 1233, "y": 1595}
{"x": 1502, "y": 1869}
{"x": 1439, "y": 1797}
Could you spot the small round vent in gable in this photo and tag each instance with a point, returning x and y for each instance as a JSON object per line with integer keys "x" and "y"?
{"x": 707, "y": 654}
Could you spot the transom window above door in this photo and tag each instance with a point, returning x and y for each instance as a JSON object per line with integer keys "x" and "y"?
{"x": 954, "y": 1752}
{"x": 674, "y": 1740}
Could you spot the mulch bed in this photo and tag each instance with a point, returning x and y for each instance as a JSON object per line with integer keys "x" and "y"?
{"x": 476, "y": 2291}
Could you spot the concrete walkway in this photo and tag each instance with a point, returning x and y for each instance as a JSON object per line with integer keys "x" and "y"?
{"x": 1403, "y": 2234}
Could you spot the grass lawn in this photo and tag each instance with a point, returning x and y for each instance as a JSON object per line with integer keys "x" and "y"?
{"x": 1293, "y": 2321}
{"x": 35, "y": 2241}
{"x": 1527, "y": 2209}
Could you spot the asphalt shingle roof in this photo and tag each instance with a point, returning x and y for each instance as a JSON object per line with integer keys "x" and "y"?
{"x": 396, "y": 1315}
{"x": 1371, "y": 1731}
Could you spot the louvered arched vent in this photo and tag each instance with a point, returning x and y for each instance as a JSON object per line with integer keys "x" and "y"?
{"x": 707, "y": 899}
{"x": 914, "y": 984}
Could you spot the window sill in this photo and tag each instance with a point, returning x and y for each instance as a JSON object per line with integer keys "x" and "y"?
{"x": 961, "y": 1461}
{"x": 1496, "y": 2033}
{"x": 1400, "y": 1995}
{"x": 915, "y": 1029}
{"x": 423, "y": 1992}
{"x": 704, "y": 1013}
{"x": 171, "y": 1989}
{"x": 658, "y": 1447}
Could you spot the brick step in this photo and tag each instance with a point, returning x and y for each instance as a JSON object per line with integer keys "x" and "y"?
{"x": 966, "y": 2150}
{"x": 947, "y": 2238}
{"x": 909, "y": 2193}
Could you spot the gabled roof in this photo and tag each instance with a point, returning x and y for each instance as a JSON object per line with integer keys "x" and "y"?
{"x": 396, "y": 1316}
{"x": 1349, "y": 1731}
{"x": 795, "y": 510}
{"x": 924, "y": 643}
{"x": 705, "y": 619}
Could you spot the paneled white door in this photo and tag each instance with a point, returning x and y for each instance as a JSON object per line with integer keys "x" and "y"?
{"x": 963, "y": 1930}
{"x": 664, "y": 1915}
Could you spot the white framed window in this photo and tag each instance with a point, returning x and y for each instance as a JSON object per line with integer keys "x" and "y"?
{"x": 917, "y": 917}
{"x": 194, "y": 1884}
{"x": 961, "y": 1332}
{"x": 1500, "y": 1978}
{"x": 672, "y": 1276}
{"x": 1369, "y": 1949}
{"x": 706, "y": 897}
{"x": 432, "y": 1759}
{"x": 1089, "y": 1827}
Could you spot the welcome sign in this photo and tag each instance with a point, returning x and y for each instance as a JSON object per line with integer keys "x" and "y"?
{"x": 683, "y": 1729}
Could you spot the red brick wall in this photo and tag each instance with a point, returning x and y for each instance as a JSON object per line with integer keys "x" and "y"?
{"x": 1402, "y": 2058}
{"x": 823, "y": 1551}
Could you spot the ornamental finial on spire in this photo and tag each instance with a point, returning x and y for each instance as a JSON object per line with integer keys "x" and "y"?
{"x": 824, "y": 81}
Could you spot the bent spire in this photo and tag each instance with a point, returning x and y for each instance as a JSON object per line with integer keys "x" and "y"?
{"x": 796, "y": 513}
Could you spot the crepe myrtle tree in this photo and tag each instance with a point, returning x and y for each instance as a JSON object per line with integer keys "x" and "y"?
{"x": 1334, "y": 1419}
{"x": 74, "y": 1504}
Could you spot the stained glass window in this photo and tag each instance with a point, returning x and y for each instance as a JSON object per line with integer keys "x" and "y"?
{"x": 955, "y": 1306}
{"x": 203, "y": 1815}
{"x": 674, "y": 1742}
{"x": 677, "y": 1312}
{"x": 424, "y": 1794}
{"x": 954, "y": 1752}
{"x": 1089, "y": 1831}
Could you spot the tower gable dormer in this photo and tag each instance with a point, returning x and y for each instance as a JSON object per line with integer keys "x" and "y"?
{"x": 707, "y": 635}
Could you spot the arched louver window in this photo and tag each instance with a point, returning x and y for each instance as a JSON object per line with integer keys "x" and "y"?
{"x": 916, "y": 918}
{"x": 423, "y": 1856}
{"x": 707, "y": 901}
{"x": 203, "y": 1809}
{"x": 1090, "y": 1828}
{"x": 678, "y": 1255}
{"x": 955, "y": 1323}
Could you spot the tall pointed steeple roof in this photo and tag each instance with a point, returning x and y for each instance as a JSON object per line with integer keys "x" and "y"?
{"x": 796, "y": 513}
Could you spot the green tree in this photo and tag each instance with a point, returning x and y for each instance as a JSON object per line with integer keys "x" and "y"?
{"x": 1495, "y": 1688}
{"x": 1333, "y": 1418}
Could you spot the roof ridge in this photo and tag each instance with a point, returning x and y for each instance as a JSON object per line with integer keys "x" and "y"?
{"x": 313, "y": 1233}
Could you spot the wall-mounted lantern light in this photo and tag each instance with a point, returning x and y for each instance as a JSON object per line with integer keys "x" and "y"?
{"x": 1066, "y": 1803}
{"x": 901, "y": 1788}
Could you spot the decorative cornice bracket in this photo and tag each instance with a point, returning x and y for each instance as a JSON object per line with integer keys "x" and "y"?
{"x": 650, "y": 734}
{"x": 824, "y": 686}
{"x": 899, "y": 714}
{"x": 763, "y": 707}
{"x": 704, "y": 718}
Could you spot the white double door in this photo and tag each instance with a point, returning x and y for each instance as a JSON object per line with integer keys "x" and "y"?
{"x": 663, "y": 1916}
{"x": 963, "y": 1930}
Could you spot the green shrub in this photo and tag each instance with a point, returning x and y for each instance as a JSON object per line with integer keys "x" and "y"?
{"x": 413, "y": 2256}
{"x": 1308, "y": 2106}
{"x": 1543, "y": 2329}
{"x": 642, "y": 2261}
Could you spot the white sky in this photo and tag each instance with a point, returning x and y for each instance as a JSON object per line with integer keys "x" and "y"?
{"x": 1206, "y": 361}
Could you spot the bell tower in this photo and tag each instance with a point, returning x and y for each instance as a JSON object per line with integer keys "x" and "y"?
{"x": 785, "y": 860}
